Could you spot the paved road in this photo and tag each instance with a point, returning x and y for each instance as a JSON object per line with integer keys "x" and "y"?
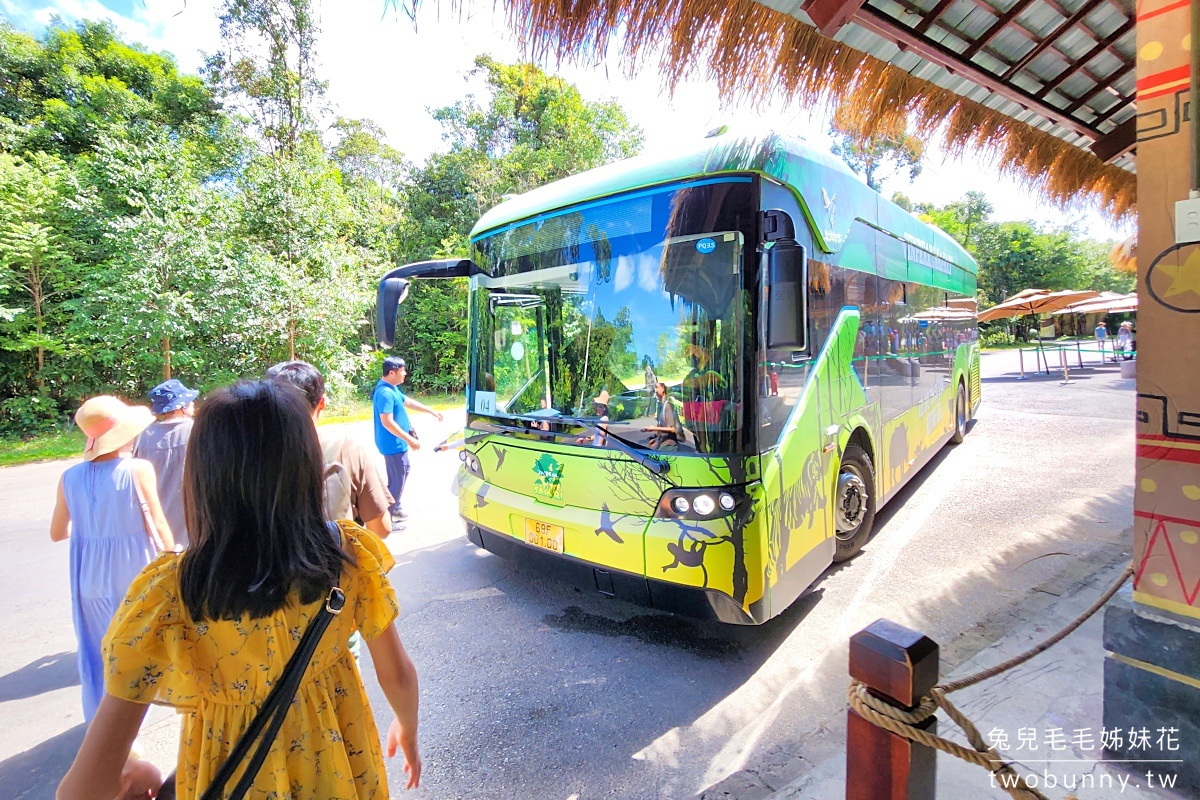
{"x": 533, "y": 689}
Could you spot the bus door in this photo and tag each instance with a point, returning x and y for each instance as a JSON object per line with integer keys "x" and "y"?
{"x": 796, "y": 409}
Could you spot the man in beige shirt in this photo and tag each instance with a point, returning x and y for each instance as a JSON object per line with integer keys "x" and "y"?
{"x": 354, "y": 487}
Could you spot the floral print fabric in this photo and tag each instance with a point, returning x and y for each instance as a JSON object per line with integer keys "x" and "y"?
{"x": 218, "y": 673}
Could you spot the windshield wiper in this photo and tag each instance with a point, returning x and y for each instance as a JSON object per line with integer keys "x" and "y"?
{"x": 655, "y": 465}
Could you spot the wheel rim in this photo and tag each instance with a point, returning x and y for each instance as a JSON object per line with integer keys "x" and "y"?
{"x": 851, "y": 502}
{"x": 961, "y": 411}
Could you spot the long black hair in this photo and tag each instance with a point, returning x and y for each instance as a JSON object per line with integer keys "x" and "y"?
{"x": 252, "y": 496}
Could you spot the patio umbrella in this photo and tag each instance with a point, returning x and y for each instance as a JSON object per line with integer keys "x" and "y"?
{"x": 945, "y": 314}
{"x": 1026, "y": 302}
{"x": 1107, "y": 303}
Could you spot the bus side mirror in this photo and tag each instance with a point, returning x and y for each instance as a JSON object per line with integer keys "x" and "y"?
{"x": 787, "y": 295}
{"x": 392, "y": 292}
{"x": 393, "y": 288}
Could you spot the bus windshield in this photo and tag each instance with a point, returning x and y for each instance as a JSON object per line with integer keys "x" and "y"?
{"x": 585, "y": 310}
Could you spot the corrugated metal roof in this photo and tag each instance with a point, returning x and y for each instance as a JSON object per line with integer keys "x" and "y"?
{"x": 1061, "y": 66}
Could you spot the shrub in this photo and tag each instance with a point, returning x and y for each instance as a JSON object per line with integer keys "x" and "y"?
{"x": 26, "y": 415}
{"x": 996, "y": 338}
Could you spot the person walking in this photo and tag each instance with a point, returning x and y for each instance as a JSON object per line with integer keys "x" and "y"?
{"x": 164, "y": 444}
{"x": 1124, "y": 339}
{"x": 394, "y": 435}
{"x": 353, "y": 487}
{"x": 100, "y": 509}
{"x": 209, "y": 632}
{"x": 1101, "y": 336}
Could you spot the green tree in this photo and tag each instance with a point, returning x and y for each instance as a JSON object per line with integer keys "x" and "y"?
{"x": 879, "y": 156}
{"x": 62, "y": 94}
{"x": 532, "y": 128}
{"x": 964, "y": 219}
{"x": 267, "y": 68}
{"x": 36, "y": 267}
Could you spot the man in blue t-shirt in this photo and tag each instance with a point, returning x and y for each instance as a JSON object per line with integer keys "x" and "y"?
{"x": 394, "y": 435}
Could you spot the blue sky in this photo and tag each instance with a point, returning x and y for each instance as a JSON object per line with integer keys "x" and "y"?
{"x": 383, "y": 67}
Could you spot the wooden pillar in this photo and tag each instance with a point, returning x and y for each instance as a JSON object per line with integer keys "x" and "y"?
{"x": 900, "y": 666}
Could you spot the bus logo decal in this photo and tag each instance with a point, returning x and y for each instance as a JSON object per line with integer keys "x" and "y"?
{"x": 705, "y": 246}
{"x": 548, "y": 482}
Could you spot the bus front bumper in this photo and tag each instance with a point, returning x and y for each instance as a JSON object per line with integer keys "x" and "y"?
{"x": 704, "y": 604}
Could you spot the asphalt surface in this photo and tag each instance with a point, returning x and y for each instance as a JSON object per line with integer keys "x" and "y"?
{"x": 531, "y": 688}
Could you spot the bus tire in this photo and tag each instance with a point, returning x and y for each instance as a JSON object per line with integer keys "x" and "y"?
{"x": 853, "y": 503}
{"x": 961, "y": 413}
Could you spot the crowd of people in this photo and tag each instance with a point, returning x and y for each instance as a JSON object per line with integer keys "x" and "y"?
{"x": 204, "y": 541}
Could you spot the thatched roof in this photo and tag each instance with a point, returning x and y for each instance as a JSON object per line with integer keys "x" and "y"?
{"x": 752, "y": 52}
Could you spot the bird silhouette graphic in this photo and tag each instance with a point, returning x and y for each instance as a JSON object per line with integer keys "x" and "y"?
{"x": 606, "y": 524}
{"x": 500, "y": 454}
{"x": 480, "y": 502}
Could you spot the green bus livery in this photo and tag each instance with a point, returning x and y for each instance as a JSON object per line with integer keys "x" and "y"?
{"x": 694, "y": 379}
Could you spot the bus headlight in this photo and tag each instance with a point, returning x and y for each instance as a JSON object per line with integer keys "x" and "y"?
{"x": 699, "y": 503}
{"x": 471, "y": 462}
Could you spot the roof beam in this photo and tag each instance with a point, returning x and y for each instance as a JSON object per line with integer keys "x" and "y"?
{"x": 830, "y": 15}
{"x": 1033, "y": 37}
{"x": 931, "y": 16}
{"x": 1054, "y": 4}
{"x": 1097, "y": 89}
{"x": 1117, "y": 142}
{"x": 1049, "y": 38}
{"x": 888, "y": 28}
{"x": 1122, "y": 103}
{"x": 997, "y": 26}
{"x": 917, "y": 10}
{"x": 1079, "y": 63}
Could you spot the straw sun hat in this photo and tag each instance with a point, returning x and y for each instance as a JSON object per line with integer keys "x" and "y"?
{"x": 110, "y": 424}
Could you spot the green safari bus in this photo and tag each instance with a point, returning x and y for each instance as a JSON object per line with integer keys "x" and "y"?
{"x": 694, "y": 379}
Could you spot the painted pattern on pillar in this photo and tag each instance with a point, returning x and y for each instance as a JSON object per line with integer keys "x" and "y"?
{"x": 1167, "y": 490}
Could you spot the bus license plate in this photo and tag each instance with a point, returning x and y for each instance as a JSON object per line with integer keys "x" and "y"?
{"x": 544, "y": 535}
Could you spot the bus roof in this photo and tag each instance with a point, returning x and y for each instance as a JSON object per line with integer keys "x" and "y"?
{"x": 831, "y": 196}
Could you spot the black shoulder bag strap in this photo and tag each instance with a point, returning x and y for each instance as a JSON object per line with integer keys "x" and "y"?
{"x": 270, "y": 716}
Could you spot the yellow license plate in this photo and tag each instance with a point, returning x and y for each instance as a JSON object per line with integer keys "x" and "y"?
{"x": 544, "y": 535}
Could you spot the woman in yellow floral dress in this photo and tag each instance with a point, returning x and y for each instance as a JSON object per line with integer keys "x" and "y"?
{"x": 209, "y": 631}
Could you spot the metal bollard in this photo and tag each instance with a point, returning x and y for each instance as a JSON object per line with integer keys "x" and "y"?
{"x": 1079, "y": 353}
{"x": 1062, "y": 359}
{"x": 1021, "y": 354}
{"x": 900, "y": 666}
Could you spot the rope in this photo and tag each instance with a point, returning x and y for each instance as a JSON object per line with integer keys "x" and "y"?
{"x": 903, "y": 722}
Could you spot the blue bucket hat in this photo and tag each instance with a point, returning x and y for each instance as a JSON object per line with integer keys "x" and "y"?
{"x": 171, "y": 395}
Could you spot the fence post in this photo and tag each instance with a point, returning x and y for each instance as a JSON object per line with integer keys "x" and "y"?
{"x": 900, "y": 666}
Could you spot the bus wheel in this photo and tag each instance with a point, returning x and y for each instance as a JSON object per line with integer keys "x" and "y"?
{"x": 854, "y": 503}
{"x": 960, "y": 415}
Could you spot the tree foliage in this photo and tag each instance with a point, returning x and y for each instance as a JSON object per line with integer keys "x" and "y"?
{"x": 156, "y": 224}
{"x": 877, "y": 156}
{"x": 530, "y": 129}
{"x": 1020, "y": 255}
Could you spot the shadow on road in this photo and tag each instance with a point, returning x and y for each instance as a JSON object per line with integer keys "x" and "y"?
{"x": 38, "y": 677}
{"x": 529, "y": 683}
{"x": 35, "y": 773}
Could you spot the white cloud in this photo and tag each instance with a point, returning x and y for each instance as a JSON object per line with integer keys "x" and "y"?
{"x": 382, "y": 67}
